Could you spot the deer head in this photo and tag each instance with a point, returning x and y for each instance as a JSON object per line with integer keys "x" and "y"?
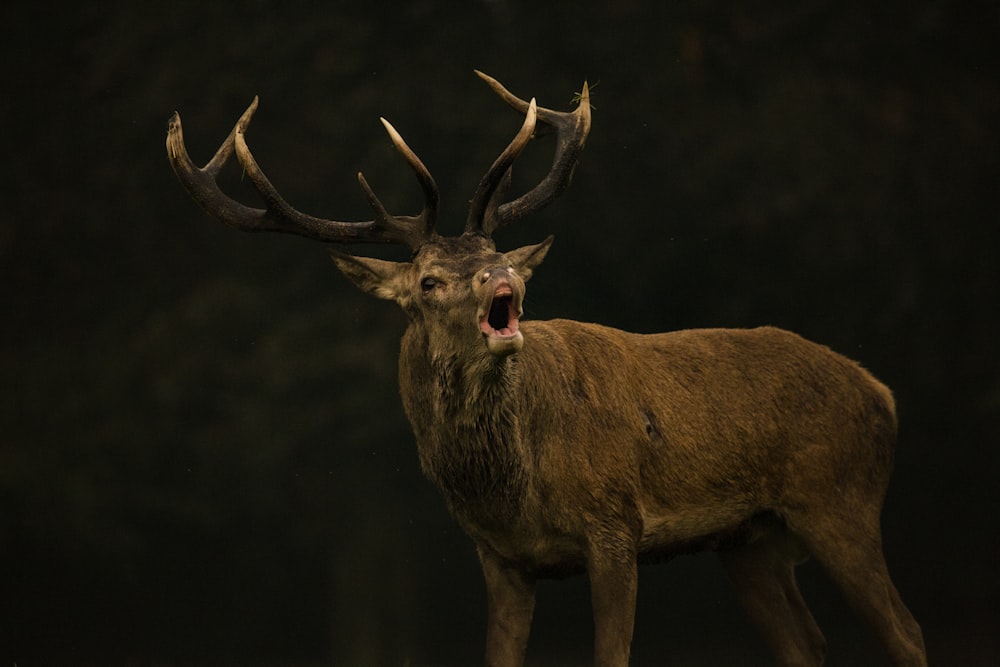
{"x": 455, "y": 287}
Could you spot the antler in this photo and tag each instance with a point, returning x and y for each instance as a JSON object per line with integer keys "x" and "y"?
{"x": 278, "y": 215}
{"x": 486, "y": 214}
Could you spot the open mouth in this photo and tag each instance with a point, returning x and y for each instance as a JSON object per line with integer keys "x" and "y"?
{"x": 501, "y": 318}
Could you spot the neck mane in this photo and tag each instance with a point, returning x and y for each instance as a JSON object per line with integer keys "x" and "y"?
{"x": 464, "y": 412}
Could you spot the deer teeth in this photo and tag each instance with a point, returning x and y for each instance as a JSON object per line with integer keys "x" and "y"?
{"x": 501, "y": 317}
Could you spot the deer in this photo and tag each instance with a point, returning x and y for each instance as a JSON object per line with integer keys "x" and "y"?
{"x": 565, "y": 448}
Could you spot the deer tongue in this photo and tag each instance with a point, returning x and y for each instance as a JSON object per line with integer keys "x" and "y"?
{"x": 500, "y": 323}
{"x": 501, "y": 317}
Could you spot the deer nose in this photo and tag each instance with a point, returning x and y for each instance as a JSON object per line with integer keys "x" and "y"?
{"x": 499, "y": 273}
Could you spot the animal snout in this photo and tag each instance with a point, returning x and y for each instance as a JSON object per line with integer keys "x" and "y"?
{"x": 499, "y": 274}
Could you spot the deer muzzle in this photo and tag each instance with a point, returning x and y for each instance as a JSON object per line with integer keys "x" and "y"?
{"x": 500, "y": 312}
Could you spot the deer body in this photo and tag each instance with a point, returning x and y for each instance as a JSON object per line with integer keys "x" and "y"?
{"x": 696, "y": 432}
{"x": 563, "y": 447}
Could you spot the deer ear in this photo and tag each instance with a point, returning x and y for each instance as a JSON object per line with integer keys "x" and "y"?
{"x": 527, "y": 258}
{"x": 377, "y": 277}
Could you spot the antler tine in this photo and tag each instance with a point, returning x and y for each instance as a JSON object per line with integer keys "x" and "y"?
{"x": 483, "y": 209}
{"x": 200, "y": 182}
{"x": 428, "y": 217}
{"x": 571, "y": 130}
{"x": 278, "y": 215}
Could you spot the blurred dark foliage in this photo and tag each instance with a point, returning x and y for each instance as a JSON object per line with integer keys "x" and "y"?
{"x": 203, "y": 458}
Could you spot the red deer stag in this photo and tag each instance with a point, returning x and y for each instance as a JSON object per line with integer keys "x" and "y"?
{"x": 564, "y": 447}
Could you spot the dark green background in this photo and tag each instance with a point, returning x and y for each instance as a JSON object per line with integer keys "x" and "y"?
{"x": 203, "y": 457}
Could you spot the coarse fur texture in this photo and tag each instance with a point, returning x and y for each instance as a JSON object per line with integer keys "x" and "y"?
{"x": 590, "y": 449}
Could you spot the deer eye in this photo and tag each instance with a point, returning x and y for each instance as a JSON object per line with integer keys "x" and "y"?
{"x": 427, "y": 284}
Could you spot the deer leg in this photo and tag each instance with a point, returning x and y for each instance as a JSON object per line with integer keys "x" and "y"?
{"x": 763, "y": 574}
{"x": 510, "y": 604}
{"x": 850, "y": 549}
{"x": 613, "y": 583}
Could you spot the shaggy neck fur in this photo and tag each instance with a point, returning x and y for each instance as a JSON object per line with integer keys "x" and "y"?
{"x": 467, "y": 428}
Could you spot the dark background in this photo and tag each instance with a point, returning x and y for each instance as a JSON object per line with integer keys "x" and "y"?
{"x": 203, "y": 457}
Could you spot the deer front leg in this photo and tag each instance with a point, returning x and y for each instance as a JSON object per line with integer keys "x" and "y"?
{"x": 613, "y": 583}
{"x": 510, "y": 598}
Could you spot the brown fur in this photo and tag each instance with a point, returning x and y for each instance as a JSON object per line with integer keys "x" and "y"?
{"x": 589, "y": 449}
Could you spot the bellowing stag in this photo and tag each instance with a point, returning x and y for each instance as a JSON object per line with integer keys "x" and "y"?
{"x": 563, "y": 447}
